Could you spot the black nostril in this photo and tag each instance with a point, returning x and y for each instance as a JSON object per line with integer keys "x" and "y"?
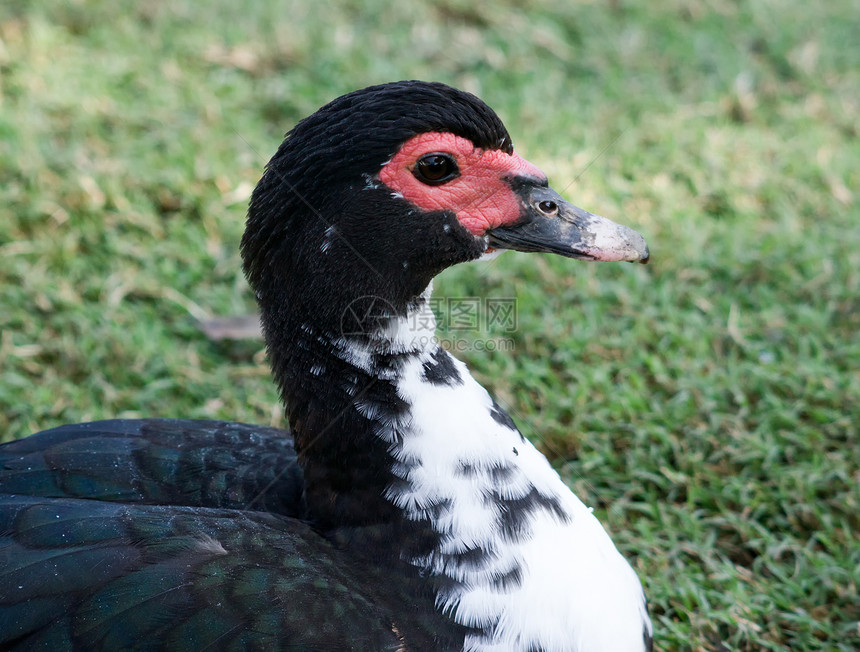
{"x": 548, "y": 207}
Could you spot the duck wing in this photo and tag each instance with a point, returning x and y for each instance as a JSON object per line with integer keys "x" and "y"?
{"x": 79, "y": 574}
{"x": 159, "y": 462}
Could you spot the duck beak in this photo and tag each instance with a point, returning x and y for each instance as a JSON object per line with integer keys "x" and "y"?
{"x": 550, "y": 224}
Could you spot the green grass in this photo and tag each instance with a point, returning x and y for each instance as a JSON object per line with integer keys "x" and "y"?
{"x": 707, "y": 405}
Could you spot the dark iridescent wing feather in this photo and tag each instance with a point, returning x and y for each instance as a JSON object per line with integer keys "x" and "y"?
{"x": 92, "y": 575}
{"x": 179, "y": 535}
{"x": 159, "y": 462}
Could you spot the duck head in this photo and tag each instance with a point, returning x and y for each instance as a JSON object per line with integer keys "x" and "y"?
{"x": 383, "y": 188}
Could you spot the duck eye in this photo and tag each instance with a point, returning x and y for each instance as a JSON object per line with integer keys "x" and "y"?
{"x": 548, "y": 208}
{"x": 436, "y": 169}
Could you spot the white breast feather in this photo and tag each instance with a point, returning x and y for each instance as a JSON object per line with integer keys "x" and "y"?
{"x": 576, "y": 593}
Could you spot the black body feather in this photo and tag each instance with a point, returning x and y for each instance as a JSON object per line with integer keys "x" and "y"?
{"x": 167, "y": 534}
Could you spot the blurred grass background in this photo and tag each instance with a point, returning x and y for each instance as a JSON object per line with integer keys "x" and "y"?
{"x": 706, "y": 405}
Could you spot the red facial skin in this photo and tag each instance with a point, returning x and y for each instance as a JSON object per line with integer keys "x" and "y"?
{"x": 480, "y": 197}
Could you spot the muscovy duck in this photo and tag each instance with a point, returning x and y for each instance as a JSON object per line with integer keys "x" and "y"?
{"x": 403, "y": 510}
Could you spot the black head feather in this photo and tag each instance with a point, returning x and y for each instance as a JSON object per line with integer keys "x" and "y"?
{"x": 312, "y": 185}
